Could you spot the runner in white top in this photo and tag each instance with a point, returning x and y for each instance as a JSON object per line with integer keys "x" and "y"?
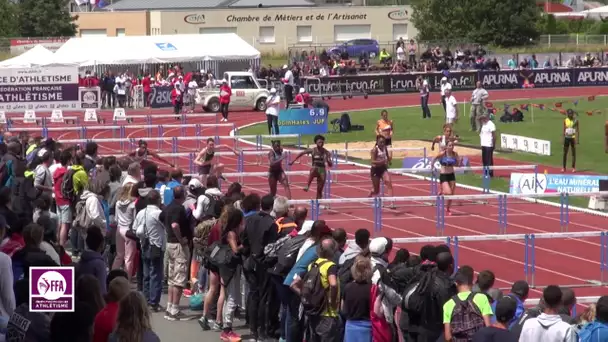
{"x": 445, "y": 85}
{"x": 451, "y": 107}
{"x": 273, "y": 106}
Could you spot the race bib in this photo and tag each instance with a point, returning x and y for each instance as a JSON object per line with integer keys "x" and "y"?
{"x": 570, "y": 131}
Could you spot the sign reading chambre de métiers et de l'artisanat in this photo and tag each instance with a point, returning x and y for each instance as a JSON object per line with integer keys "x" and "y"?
{"x": 329, "y": 16}
{"x": 39, "y": 88}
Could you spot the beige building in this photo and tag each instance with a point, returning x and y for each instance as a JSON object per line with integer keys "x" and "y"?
{"x": 270, "y": 30}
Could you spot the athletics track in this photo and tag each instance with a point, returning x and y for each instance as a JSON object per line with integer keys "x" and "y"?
{"x": 573, "y": 261}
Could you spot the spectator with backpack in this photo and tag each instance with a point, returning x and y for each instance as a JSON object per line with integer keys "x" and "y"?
{"x": 89, "y": 211}
{"x": 506, "y": 308}
{"x": 175, "y": 181}
{"x": 212, "y": 194}
{"x": 319, "y": 293}
{"x": 597, "y": 331}
{"x": 262, "y": 306}
{"x": 519, "y": 293}
{"x": 296, "y": 261}
{"x": 151, "y": 232}
{"x": 64, "y": 208}
{"x": 80, "y": 178}
{"x": 467, "y": 312}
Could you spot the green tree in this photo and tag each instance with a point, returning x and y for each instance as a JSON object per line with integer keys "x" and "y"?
{"x": 495, "y": 22}
{"x": 8, "y": 19}
{"x": 46, "y": 18}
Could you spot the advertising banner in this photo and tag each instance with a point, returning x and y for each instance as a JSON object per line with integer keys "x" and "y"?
{"x": 530, "y": 183}
{"x": 160, "y": 97}
{"x": 39, "y": 88}
{"x": 303, "y": 121}
{"x": 425, "y": 164}
{"x": 374, "y": 84}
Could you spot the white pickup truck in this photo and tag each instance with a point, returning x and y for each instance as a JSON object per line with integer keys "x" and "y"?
{"x": 246, "y": 93}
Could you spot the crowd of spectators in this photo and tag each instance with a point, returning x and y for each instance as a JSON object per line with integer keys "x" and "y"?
{"x": 125, "y": 225}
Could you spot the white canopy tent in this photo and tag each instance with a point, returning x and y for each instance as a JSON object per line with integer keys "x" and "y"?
{"x": 38, "y": 55}
{"x": 92, "y": 51}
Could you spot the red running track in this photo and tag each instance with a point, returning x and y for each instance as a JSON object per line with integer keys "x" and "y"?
{"x": 562, "y": 261}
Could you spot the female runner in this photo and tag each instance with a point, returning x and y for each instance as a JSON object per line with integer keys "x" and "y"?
{"x": 381, "y": 160}
{"x": 571, "y": 129}
{"x": 204, "y": 160}
{"x": 276, "y": 174}
{"x": 385, "y": 128}
{"x": 141, "y": 154}
{"x": 320, "y": 158}
{"x": 447, "y": 136}
{"x": 448, "y": 158}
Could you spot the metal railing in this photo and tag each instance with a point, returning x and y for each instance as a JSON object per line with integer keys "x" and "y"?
{"x": 573, "y": 39}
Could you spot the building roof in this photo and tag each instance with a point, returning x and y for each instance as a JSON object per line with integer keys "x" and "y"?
{"x": 552, "y": 7}
{"x": 134, "y": 5}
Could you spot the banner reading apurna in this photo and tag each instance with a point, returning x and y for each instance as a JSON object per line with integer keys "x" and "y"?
{"x": 39, "y": 88}
{"x": 375, "y": 84}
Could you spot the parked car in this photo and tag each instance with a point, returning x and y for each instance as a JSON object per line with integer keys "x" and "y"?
{"x": 356, "y": 47}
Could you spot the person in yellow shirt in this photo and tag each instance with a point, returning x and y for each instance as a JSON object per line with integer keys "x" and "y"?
{"x": 571, "y": 138}
{"x": 324, "y": 326}
{"x": 467, "y": 312}
{"x": 385, "y": 58}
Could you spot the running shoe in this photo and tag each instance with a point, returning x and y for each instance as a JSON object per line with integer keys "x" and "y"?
{"x": 204, "y": 323}
{"x": 230, "y": 336}
{"x": 178, "y": 316}
{"x": 305, "y": 189}
{"x": 217, "y": 326}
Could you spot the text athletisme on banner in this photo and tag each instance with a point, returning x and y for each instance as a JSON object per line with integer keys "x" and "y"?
{"x": 39, "y": 88}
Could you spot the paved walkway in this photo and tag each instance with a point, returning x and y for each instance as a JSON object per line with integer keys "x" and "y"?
{"x": 187, "y": 330}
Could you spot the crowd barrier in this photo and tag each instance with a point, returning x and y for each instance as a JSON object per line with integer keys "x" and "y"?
{"x": 376, "y": 84}
{"x": 377, "y": 205}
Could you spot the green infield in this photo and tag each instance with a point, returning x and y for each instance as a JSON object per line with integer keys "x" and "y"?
{"x": 547, "y": 125}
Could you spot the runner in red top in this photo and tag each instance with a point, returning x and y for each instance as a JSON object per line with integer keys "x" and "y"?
{"x": 146, "y": 83}
{"x": 225, "y": 93}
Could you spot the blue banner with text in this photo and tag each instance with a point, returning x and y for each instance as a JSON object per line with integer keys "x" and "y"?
{"x": 303, "y": 121}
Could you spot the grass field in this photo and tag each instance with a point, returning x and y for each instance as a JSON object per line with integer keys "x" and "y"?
{"x": 547, "y": 125}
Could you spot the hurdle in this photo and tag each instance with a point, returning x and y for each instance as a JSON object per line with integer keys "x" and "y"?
{"x": 174, "y": 141}
{"x": 377, "y": 206}
{"x": 42, "y": 121}
{"x": 529, "y": 241}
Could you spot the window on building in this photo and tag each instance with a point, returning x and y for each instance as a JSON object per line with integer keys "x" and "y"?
{"x": 120, "y": 32}
{"x": 304, "y": 34}
{"x": 216, "y": 30}
{"x": 93, "y": 32}
{"x": 266, "y": 35}
{"x": 344, "y": 33}
{"x": 399, "y": 31}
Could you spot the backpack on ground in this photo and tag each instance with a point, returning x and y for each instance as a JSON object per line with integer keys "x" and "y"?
{"x": 67, "y": 186}
{"x": 287, "y": 254}
{"x": 466, "y": 319}
{"x": 313, "y": 294}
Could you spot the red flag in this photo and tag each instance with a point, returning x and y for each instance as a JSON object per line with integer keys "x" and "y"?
{"x": 591, "y": 98}
{"x": 558, "y": 105}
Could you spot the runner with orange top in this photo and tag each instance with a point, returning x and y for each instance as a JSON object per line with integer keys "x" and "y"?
{"x": 385, "y": 128}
